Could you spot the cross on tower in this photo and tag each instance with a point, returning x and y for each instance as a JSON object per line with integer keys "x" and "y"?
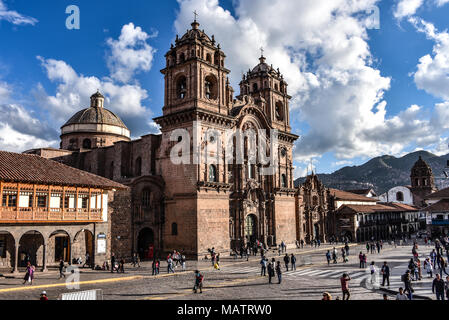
{"x": 261, "y": 51}
{"x": 195, "y": 14}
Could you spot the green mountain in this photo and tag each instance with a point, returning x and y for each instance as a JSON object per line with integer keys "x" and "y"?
{"x": 383, "y": 173}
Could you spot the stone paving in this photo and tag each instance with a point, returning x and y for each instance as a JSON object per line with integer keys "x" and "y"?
{"x": 237, "y": 279}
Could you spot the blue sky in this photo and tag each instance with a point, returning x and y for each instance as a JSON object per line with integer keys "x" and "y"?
{"x": 358, "y": 92}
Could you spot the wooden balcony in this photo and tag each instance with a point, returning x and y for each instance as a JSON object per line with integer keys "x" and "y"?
{"x": 52, "y": 215}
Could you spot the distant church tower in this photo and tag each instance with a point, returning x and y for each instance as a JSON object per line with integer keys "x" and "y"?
{"x": 423, "y": 182}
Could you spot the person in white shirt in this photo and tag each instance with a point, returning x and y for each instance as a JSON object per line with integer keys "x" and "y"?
{"x": 401, "y": 295}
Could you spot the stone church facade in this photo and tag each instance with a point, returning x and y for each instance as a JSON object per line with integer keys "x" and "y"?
{"x": 202, "y": 204}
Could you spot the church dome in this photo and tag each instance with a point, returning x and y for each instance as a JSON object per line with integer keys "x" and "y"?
{"x": 93, "y": 127}
{"x": 94, "y": 115}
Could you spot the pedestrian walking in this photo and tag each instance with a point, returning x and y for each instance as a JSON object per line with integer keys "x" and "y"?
{"x": 446, "y": 287}
{"x": 302, "y": 244}
{"x": 286, "y": 261}
{"x": 170, "y": 265}
{"x": 183, "y": 262}
{"x": 217, "y": 262}
{"x": 135, "y": 260}
{"x": 373, "y": 271}
{"x": 344, "y": 280}
{"x": 443, "y": 265}
{"x": 293, "y": 261}
{"x": 361, "y": 260}
{"x": 270, "y": 272}
{"x": 112, "y": 262}
{"x": 438, "y": 287}
{"x": 87, "y": 262}
{"x": 407, "y": 279}
{"x": 347, "y": 249}
{"x": 199, "y": 278}
{"x": 385, "y": 274}
{"x": 29, "y": 274}
{"x": 61, "y": 269}
{"x": 263, "y": 266}
{"x": 428, "y": 267}
{"x": 367, "y": 247}
{"x": 279, "y": 272}
{"x": 334, "y": 255}
{"x": 328, "y": 257}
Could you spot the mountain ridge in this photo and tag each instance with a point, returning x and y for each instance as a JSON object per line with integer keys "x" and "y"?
{"x": 383, "y": 173}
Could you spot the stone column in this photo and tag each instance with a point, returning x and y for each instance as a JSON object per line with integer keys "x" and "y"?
{"x": 44, "y": 258}
{"x": 16, "y": 256}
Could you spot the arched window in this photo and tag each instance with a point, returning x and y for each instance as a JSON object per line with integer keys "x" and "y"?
{"x": 210, "y": 86}
{"x": 181, "y": 87}
{"x": 209, "y": 58}
{"x": 284, "y": 181}
{"x": 255, "y": 87}
{"x": 417, "y": 181}
{"x": 279, "y": 111}
{"x": 138, "y": 169}
{"x": 174, "y": 229}
{"x": 213, "y": 173}
{"x": 424, "y": 182}
{"x": 399, "y": 196}
{"x": 73, "y": 144}
{"x": 87, "y": 144}
{"x": 182, "y": 58}
{"x": 315, "y": 200}
{"x": 146, "y": 195}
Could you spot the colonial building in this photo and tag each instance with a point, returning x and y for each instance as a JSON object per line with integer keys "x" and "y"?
{"x": 50, "y": 211}
{"x": 378, "y": 221}
{"x": 436, "y": 214}
{"x": 196, "y": 205}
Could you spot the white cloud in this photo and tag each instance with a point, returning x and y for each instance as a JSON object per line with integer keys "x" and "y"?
{"x": 15, "y": 141}
{"x": 14, "y": 17}
{"x": 406, "y": 8}
{"x": 432, "y": 73}
{"x": 323, "y": 52}
{"x": 130, "y": 53}
{"x": 5, "y": 92}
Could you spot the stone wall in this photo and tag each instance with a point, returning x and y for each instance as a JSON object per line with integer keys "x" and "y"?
{"x": 285, "y": 219}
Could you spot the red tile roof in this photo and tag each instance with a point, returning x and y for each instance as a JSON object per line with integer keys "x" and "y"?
{"x": 444, "y": 193}
{"x": 390, "y": 207}
{"x": 26, "y": 168}
{"x": 348, "y": 196}
{"x": 440, "y": 206}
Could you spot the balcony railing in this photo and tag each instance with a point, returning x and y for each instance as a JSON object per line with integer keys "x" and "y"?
{"x": 8, "y": 215}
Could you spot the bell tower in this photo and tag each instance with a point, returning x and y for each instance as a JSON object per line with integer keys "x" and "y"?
{"x": 269, "y": 89}
{"x": 195, "y": 74}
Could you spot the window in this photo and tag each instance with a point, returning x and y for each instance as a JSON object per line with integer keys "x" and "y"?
{"x": 399, "y": 196}
{"x": 84, "y": 202}
{"x": 279, "y": 111}
{"x": 255, "y": 87}
{"x": 210, "y": 86}
{"x": 315, "y": 200}
{"x": 424, "y": 182}
{"x": 212, "y": 173}
{"x": 182, "y": 58}
{"x": 42, "y": 201}
{"x": 181, "y": 87}
{"x": 284, "y": 181}
{"x": 174, "y": 229}
{"x": 12, "y": 200}
{"x": 209, "y": 58}
{"x": 87, "y": 144}
{"x": 146, "y": 198}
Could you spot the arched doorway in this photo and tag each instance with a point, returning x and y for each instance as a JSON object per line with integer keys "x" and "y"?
{"x": 251, "y": 228}
{"x": 83, "y": 243}
{"x": 31, "y": 248}
{"x": 7, "y": 249}
{"x": 59, "y": 245}
{"x": 145, "y": 244}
